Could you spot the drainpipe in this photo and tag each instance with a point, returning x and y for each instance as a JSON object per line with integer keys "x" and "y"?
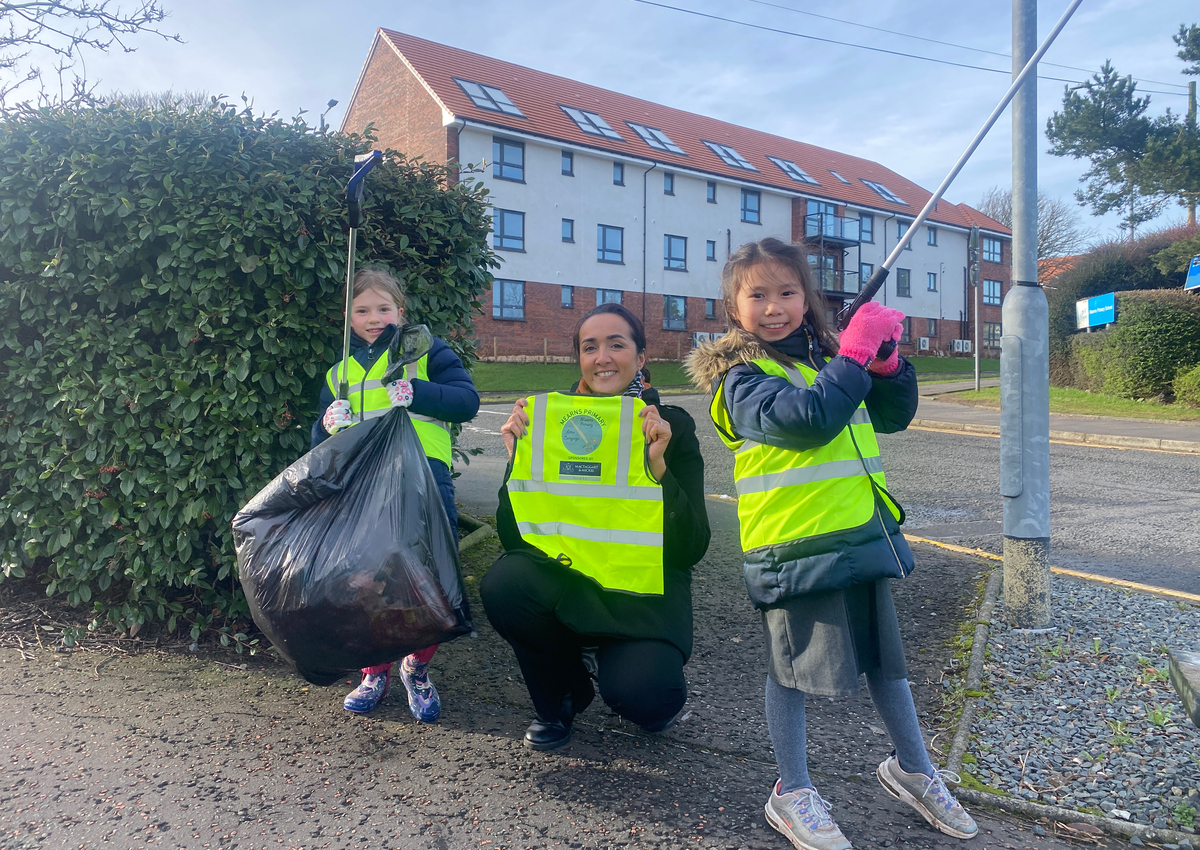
{"x": 644, "y": 225}
{"x": 885, "y": 253}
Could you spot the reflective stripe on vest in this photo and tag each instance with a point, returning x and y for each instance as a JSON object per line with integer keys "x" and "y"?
{"x": 581, "y": 493}
{"x": 369, "y": 400}
{"x": 786, "y": 495}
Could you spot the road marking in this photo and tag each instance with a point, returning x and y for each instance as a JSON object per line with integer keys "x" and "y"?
{"x": 495, "y": 412}
{"x": 1056, "y": 442}
{"x": 1062, "y": 571}
{"x": 481, "y": 430}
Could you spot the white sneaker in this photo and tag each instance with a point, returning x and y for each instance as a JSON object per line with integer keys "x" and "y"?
{"x": 929, "y": 796}
{"x": 803, "y": 818}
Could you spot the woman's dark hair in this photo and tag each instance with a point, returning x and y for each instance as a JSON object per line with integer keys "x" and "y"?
{"x": 636, "y": 329}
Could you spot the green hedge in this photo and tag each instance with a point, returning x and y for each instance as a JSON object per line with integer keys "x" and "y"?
{"x": 1187, "y": 387}
{"x": 171, "y": 287}
{"x": 1156, "y": 337}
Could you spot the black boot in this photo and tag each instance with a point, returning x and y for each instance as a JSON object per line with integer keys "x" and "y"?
{"x": 549, "y": 734}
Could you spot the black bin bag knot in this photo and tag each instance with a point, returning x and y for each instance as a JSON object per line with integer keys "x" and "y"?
{"x": 347, "y": 558}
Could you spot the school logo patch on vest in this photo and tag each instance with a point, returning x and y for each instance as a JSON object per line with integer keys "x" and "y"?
{"x": 582, "y": 433}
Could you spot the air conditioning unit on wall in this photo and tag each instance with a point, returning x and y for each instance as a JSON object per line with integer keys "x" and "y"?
{"x": 922, "y": 343}
{"x": 962, "y": 346}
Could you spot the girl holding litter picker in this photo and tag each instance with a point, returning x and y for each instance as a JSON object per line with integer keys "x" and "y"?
{"x": 800, "y": 408}
{"x": 437, "y": 390}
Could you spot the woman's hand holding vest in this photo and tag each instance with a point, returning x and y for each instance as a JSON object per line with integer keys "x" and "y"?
{"x": 337, "y": 416}
{"x": 515, "y": 426}
{"x": 658, "y": 433}
{"x": 400, "y": 393}
{"x": 871, "y": 326}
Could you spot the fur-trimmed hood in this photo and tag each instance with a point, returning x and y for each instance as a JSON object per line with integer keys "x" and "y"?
{"x": 710, "y": 360}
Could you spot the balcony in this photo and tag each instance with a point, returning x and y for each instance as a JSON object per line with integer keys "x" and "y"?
{"x": 838, "y": 280}
{"x": 831, "y": 229}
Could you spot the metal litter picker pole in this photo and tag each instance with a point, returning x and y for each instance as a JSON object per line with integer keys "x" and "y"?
{"x": 881, "y": 274}
{"x": 354, "y": 194}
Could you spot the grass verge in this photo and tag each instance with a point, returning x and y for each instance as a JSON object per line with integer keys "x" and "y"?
{"x": 1085, "y": 403}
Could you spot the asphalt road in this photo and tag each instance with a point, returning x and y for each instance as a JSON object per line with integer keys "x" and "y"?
{"x": 1122, "y": 513}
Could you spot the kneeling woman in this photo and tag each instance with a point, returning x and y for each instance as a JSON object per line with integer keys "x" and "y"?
{"x": 602, "y": 518}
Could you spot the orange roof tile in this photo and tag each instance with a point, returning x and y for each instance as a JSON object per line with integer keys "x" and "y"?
{"x": 538, "y": 95}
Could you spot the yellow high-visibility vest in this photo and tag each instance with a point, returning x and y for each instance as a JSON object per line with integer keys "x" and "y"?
{"x": 581, "y": 492}
{"x": 369, "y": 399}
{"x": 786, "y": 495}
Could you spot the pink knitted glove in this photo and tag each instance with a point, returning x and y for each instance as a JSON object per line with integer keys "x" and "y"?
{"x": 870, "y": 327}
{"x": 891, "y": 364}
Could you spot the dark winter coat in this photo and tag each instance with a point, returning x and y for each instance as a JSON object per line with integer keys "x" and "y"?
{"x": 768, "y": 409}
{"x": 596, "y": 611}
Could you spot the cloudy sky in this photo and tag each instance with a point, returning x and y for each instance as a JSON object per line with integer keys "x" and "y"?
{"x": 912, "y": 115}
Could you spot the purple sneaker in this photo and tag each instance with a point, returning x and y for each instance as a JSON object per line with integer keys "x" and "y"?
{"x": 423, "y": 700}
{"x": 370, "y": 691}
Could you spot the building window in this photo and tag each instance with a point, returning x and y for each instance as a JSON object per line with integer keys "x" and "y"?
{"x": 655, "y": 138}
{"x": 904, "y": 283}
{"x": 729, "y": 156}
{"x": 992, "y": 252}
{"x": 712, "y": 191}
{"x": 884, "y": 192}
{"x": 591, "y": 123}
{"x": 931, "y": 281}
{"x": 931, "y": 328}
{"x": 991, "y": 334}
{"x": 906, "y": 333}
{"x": 608, "y": 296}
{"x": 931, "y": 235}
{"x": 508, "y": 299}
{"x": 668, "y": 184}
{"x": 794, "y": 171}
{"x": 618, "y": 174}
{"x": 568, "y": 230}
{"x": 751, "y": 201}
{"x": 901, "y": 229}
{"x": 822, "y": 219}
{"x": 675, "y": 252}
{"x": 991, "y": 292}
{"x": 866, "y": 227}
{"x": 610, "y": 244}
{"x": 568, "y": 163}
{"x": 568, "y": 297}
{"x": 710, "y": 250}
{"x": 509, "y": 230}
{"x": 710, "y": 308}
{"x": 674, "y": 313}
{"x": 508, "y": 160}
{"x": 865, "y": 270}
{"x": 488, "y": 97}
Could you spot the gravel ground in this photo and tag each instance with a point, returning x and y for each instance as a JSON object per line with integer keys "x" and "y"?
{"x": 1084, "y": 717}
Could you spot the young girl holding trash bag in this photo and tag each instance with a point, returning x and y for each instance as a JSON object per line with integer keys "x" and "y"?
{"x": 820, "y": 532}
{"x": 437, "y": 390}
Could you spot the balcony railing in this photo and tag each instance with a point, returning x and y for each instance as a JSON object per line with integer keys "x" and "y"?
{"x": 830, "y": 227}
{"x": 838, "y": 280}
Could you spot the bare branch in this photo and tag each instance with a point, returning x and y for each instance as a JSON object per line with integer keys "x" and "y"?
{"x": 1058, "y": 223}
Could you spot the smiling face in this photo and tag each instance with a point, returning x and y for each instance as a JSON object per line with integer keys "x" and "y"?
{"x": 371, "y": 312}
{"x": 771, "y": 302}
{"x": 608, "y": 356}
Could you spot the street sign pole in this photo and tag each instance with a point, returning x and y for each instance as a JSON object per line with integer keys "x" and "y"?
{"x": 1025, "y": 369}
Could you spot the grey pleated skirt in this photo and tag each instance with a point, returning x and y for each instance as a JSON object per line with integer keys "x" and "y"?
{"x": 822, "y": 643}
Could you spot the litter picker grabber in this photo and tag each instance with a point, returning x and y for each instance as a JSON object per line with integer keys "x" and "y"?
{"x": 881, "y": 274}
{"x": 363, "y": 163}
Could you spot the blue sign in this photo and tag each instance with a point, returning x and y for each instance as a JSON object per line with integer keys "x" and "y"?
{"x": 1092, "y": 312}
{"x": 1193, "y": 278}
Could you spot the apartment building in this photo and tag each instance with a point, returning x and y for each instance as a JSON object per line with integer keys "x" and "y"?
{"x": 598, "y": 197}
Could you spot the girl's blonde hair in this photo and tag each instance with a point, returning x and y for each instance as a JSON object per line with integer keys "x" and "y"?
{"x": 365, "y": 279}
{"x": 793, "y": 259}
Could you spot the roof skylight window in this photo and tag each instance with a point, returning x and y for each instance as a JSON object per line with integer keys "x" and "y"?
{"x": 655, "y": 138}
{"x": 794, "y": 171}
{"x": 489, "y": 98}
{"x": 884, "y": 192}
{"x": 591, "y": 123}
{"x": 839, "y": 177}
{"x": 729, "y": 156}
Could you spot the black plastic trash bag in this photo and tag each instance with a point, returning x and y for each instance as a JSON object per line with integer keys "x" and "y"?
{"x": 347, "y": 558}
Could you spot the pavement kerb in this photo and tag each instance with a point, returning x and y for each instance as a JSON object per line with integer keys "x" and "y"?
{"x": 962, "y": 735}
{"x": 1120, "y": 441}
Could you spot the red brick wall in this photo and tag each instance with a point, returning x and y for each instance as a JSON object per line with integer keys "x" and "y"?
{"x": 1002, "y": 272}
{"x": 547, "y": 331}
{"x": 406, "y": 117}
